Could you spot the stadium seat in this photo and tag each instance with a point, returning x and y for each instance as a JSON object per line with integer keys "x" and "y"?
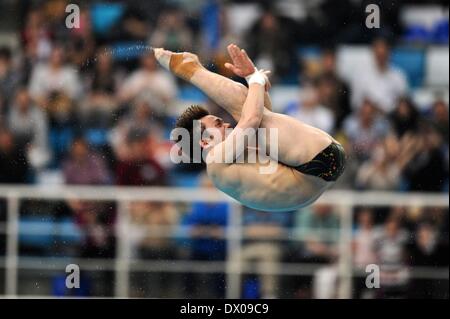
{"x": 440, "y": 32}
{"x": 437, "y": 66}
{"x": 43, "y": 231}
{"x": 412, "y": 62}
{"x": 424, "y": 97}
{"x": 105, "y": 15}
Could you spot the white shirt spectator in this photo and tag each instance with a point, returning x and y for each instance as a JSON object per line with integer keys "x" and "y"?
{"x": 159, "y": 86}
{"x": 382, "y": 87}
{"x": 312, "y": 113}
{"x": 45, "y": 79}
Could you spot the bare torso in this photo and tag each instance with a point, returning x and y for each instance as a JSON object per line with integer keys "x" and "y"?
{"x": 286, "y": 188}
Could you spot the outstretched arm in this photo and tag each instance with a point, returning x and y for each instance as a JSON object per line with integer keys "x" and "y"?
{"x": 252, "y": 112}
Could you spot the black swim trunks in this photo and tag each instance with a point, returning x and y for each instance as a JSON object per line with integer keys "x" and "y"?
{"x": 329, "y": 164}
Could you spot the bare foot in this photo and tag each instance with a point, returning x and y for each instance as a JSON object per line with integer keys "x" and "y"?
{"x": 183, "y": 64}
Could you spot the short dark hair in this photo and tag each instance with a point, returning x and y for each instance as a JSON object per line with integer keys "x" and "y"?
{"x": 186, "y": 121}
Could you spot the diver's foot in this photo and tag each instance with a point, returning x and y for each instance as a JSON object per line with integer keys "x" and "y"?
{"x": 183, "y": 64}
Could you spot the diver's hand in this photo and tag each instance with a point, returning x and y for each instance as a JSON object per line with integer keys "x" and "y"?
{"x": 242, "y": 65}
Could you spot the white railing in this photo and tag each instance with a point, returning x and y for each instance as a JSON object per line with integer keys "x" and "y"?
{"x": 344, "y": 201}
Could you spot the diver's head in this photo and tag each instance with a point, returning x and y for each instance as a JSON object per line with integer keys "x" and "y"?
{"x": 212, "y": 129}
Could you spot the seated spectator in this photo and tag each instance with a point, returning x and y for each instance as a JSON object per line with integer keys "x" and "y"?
{"x": 271, "y": 43}
{"x": 365, "y": 129}
{"x": 333, "y": 92}
{"x": 149, "y": 82}
{"x": 439, "y": 118}
{"x": 206, "y": 225}
{"x": 405, "y": 117}
{"x": 81, "y": 42}
{"x": 390, "y": 248}
{"x": 172, "y": 32}
{"x": 383, "y": 171}
{"x": 363, "y": 248}
{"x": 142, "y": 119}
{"x": 14, "y": 166}
{"x": 56, "y": 75}
{"x": 30, "y": 128}
{"x": 36, "y": 36}
{"x": 96, "y": 222}
{"x": 428, "y": 170}
{"x": 150, "y": 224}
{"x": 383, "y": 84}
{"x": 9, "y": 78}
{"x": 310, "y": 111}
{"x": 319, "y": 228}
{"x": 133, "y": 25}
{"x": 427, "y": 251}
{"x": 100, "y": 106}
{"x": 137, "y": 167}
{"x": 262, "y": 244}
{"x": 364, "y": 239}
{"x": 84, "y": 167}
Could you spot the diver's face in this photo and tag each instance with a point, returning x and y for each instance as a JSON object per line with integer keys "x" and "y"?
{"x": 213, "y": 130}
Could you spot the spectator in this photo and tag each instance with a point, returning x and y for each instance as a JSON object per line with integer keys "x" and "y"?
{"x": 151, "y": 83}
{"x": 271, "y": 43}
{"x": 172, "y": 32}
{"x": 428, "y": 170}
{"x": 137, "y": 167}
{"x": 30, "y": 128}
{"x": 149, "y": 221}
{"x": 100, "y": 107}
{"x": 262, "y": 233}
{"x": 310, "y": 111}
{"x": 365, "y": 129}
{"x": 333, "y": 92}
{"x": 390, "y": 247}
{"x": 427, "y": 251}
{"x": 85, "y": 167}
{"x": 439, "y": 117}
{"x": 384, "y": 169}
{"x": 53, "y": 76}
{"x": 364, "y": 240}
{"x": 319, "y": 229}
{"x": 383, "y": 84}
{"x": 141, "y": 119}
{"x": 363, "y": 248}
{"x": 81, "y": 44}
{"x": 405, "y": 117}
{"x": 36, "y": 37}
{"x": 9, "y": 78}
{"x": 207, "y": 224}
{"x": 14, "y": 166}
{"x": 132, "y": 27}
{"x": 96, "y": 222}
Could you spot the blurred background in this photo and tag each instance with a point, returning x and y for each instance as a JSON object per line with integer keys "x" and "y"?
{"x": 86, "y": 113}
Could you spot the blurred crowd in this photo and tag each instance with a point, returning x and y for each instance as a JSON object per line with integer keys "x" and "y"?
{"x": 92, "y": 104}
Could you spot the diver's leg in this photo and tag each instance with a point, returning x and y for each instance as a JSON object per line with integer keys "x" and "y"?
{"x": 297, "y": 143}
{"x": 227, "y": 93}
